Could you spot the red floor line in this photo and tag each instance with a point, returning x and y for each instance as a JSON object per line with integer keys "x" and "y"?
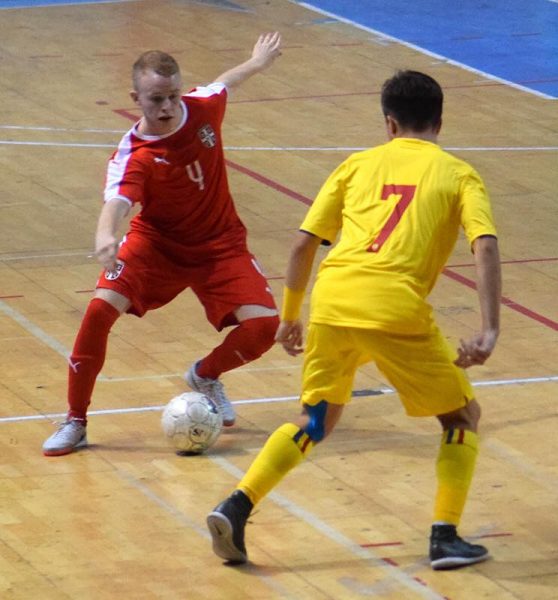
{"x": 518, "y": 261}
{"x": 126, "y": 114}
{"x": 381, "y": 544}
{"x": 508, "y": 302}
{"x": 270, "y": 183}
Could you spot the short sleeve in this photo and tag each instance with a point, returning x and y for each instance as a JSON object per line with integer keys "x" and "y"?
{"x": 125, "y": 179}
{"x": 476, "y": 211}
{"x": 215, "y": 95}
{"x": 325, "y": 216}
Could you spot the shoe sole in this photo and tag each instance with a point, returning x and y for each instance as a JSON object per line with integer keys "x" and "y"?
{"x": 221, "y": 532}
{"x": 68, "y": 450}
{"x": 455, "y": 562}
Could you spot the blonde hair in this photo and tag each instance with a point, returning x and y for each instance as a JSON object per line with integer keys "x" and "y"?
{"x": 154, "y": 60}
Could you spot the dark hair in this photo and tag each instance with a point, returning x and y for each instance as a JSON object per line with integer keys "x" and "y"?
{"x": 157, "y": 61}
{"x": 413, "y": 99}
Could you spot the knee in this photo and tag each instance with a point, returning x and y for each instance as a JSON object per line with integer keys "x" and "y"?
{"x": 475, "y": 412}
{"x": 315, "y": 427}
{"x": 267, "y": 327}
{"x": 100, "y": 314}
{"x": 260, "y": 332}
{"x": 467, "y": 417}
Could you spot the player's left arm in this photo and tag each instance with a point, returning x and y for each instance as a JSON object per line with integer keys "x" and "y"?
{"x": 265, "y": 51}
{"x": 477, "y": 349}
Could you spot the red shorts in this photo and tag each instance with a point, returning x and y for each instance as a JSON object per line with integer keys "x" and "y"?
{"x": 149, "y": 279}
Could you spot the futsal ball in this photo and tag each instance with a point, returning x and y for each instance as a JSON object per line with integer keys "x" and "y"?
{"x": 191, "y": 422}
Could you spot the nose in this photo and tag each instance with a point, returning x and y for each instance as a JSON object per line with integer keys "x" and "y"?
{"x": 167, "y": 104}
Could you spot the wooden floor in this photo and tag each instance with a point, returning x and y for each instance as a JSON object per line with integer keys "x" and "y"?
{"x": 125, "y": 518}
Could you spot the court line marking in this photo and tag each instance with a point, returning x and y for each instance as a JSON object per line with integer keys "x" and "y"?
{"x": 518, "y": 461}
{"x": 83, "y": 253}
{"x": 183, "y": 518}
{"x": 34, "y": 330}
{"x": 366, "y": 554}
{"x": 505, "y": 301}
{"x": 87, "y": 254}
{"x": 293, "y": 148}
{"x": 381, "y": 391}
{"x": 24, "y": 6}
{"x": 65, "y": 129}
{"x": 424, "y": 51}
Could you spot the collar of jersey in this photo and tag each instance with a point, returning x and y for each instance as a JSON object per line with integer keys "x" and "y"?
{"x": 162, "y": 137}
{"x": 411, "y": 140}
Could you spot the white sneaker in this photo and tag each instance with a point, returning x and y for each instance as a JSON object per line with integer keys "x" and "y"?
{"x": 215, "y": 390}
{"x": 70, "y": 435}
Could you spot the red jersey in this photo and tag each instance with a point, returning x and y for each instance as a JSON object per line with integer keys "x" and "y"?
{"x": 180, "y": 180}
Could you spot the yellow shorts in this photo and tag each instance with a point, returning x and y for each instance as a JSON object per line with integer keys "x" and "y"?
{"x": 419, "y": 368}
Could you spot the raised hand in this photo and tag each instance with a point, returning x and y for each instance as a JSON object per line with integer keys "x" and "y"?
{"x": 267, "y": 48}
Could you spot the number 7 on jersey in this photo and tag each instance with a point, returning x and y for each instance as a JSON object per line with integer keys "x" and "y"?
{"x": 407, "y": 193}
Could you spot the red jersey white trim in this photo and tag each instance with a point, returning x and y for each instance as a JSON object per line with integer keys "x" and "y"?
{"x": 180, "y": 180}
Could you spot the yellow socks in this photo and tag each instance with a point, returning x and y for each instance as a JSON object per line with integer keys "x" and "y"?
{"x": 284, "y": 450}
{"x": 288, "y": 446}
{"x": 454, "y": 468}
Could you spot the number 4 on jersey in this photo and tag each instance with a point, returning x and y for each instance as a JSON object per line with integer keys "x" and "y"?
{"x": 407, "y": 193}
{"x": 195, "y": 174}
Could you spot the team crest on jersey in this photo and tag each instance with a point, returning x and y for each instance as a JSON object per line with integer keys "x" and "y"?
{"x": 115, "y": 274}
{"x": 207, "y": 136}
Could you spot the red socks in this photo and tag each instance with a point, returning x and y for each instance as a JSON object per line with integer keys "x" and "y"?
{"x": 88, "y": 355}
{"x": 246, "y": 342}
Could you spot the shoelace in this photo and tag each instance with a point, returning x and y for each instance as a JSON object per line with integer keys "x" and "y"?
{"x": 63, "y": 428}
{"x": 218, "y": 393}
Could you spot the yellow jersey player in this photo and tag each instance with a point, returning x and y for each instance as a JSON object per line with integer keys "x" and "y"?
{"x": 397, "y": 210}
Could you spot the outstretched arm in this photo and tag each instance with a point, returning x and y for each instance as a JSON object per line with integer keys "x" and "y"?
{"x": 476, "y": 350}
{"x": 106, "y": 244}
{"x": 265, "y": 51}
{"x": 299, "y": 269}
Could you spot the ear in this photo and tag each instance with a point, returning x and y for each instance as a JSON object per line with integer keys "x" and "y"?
{"x": 392, "y": 127}
{"x": 134, "y": 96}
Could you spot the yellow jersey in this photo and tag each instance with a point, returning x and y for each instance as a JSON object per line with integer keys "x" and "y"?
{"x": 399, "y": 207}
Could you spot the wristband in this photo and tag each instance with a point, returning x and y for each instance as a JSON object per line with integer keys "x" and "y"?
{"x": 292, "y": 303}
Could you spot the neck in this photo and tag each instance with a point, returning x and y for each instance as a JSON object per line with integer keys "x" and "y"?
{"x": 427, "y": 136}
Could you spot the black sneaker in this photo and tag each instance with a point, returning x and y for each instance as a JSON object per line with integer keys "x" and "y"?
{"x": 226, "y": 524}
{"x": 449, "y": 551}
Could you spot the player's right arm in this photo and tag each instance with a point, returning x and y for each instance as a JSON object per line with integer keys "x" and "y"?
{"x": 106, "y": 244}
{"x": 477, "y": 349}
{"x": 299, "y": 269}
{"x": 321, "y": 225}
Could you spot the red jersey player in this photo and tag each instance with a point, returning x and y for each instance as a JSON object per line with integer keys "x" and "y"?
{"x": 187, "y": 235}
